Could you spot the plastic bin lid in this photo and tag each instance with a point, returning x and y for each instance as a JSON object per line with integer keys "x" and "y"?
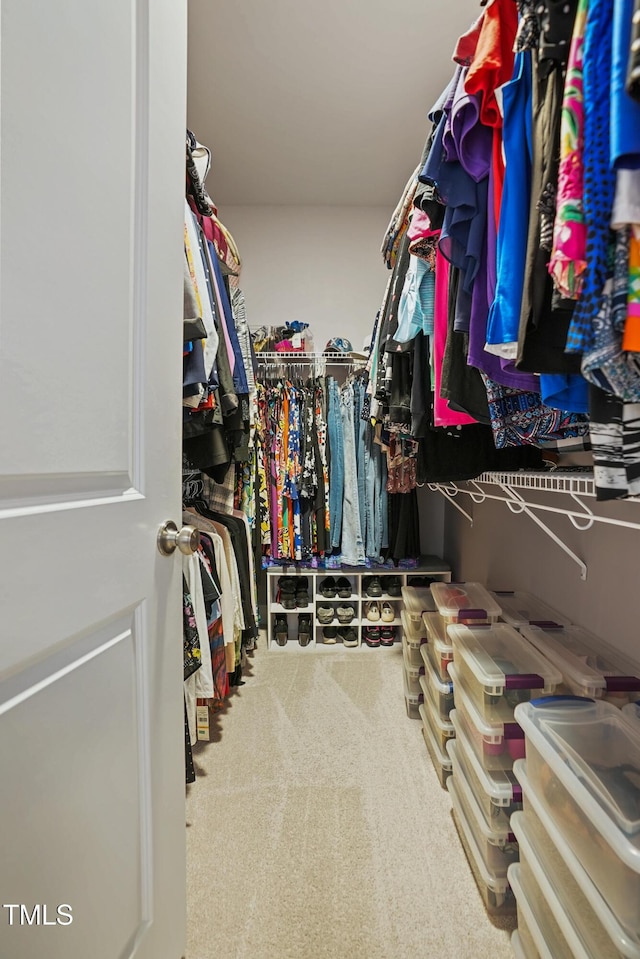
{"x": 632, "y": 711}
{"x": 465, "y": 601}
{"x": 520, "y": 608}
{"x": 417, "y": 600}
{"x": 500, "y": 784}
{"x": 490, "y": 879}
{"x": 498, "y": 831}
{"x": 411, "y": 671}
{"x": 594, "y": 750}
{"x": 437, "y": 720}
{"x": 436, "y": 628}
{"x": 587, "y": 663}
{"x": 501, "y": 659}
{"x": 627, "y": 943}
{"x": 411, "y": 697}
{"x": 565, "y": 909}
{"x": 442, "y": 688}
{"x": 525, "y": 897}
{"x": 491, "y": 731}
{"x": 413, "y": 630}
{"x": 442, "y": 756}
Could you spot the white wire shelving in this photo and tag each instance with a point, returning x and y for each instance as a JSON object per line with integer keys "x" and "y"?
{"x": 513, "y": 486}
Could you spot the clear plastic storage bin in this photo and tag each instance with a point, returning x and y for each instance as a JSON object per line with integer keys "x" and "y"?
{"x": 412, "y": 697}
{"x": 522, "y": 944}
{"x": 580, "y": 898}
{"x": 493, "y": 886}
{"x": 499, "y": 669}
{"x": 442, "y": 731}
{"x": 522, "y": 609}
{"x": 495, "y": 833}
{"x": 496, "y": 745}
{"x": 497, "y": 792}
{"x": 417, "y": 600}
{"x": 411, "y": 671}
{"x": 439, "y": 646}
{"x": 465, "y": 603}
{"x": 441, "y": 693}
{"x": 583, "y": 762}
{"x": 439, "y": 757}
{"x": 411, "y": 652}
{"x": 588, "y": 665}
{"x": 540, "y": 928}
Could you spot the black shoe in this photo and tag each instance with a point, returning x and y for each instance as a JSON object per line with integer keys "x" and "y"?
{"x": 287, "y": 592}
{"x": 304, "y": 629}
{"x": 387, "y": 635}
{"x": 394, "y": 586}
{"x": 329, "y": 634}
{"x": 374, "y": 587}
{"x": 371, "y": 635}
{"x": 328, "y": 587}
{"x": 302, "y": 592}
{"x": 281, "y": 630}
{"x": 343, "y": 587}
{"x": 348, "y": 636}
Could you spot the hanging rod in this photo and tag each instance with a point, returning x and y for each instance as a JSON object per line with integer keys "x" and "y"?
{"x": 573, "y": 485}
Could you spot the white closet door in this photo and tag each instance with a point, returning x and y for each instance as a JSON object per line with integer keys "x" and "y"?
{"x": 92, "y": 116}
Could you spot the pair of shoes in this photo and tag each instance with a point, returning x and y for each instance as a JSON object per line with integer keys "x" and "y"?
{"x": 345, "y": 614}
{"x": 293, "y": 591}
{"x": 372, "y": 586}
{"x": 305, "y": 629}
{"x": 393, "y": 586}
{"x": 281, "y": 630}
{"x": 325, "y": 614}
{"x": 330, "y": 588}
{"x": 380, "y": 611}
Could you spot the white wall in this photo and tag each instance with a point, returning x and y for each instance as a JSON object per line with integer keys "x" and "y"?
{"x": 318, "y": 264}
{"x": 510, "y": 552}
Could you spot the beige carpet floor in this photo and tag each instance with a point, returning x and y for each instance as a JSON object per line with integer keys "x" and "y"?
{"x": 317, "y": 828}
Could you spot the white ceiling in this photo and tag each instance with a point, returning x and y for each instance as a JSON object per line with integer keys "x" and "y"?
{"x": 319, "y": 102}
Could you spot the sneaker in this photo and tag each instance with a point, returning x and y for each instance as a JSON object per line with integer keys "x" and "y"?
{"x": 329, "y": 634}
{"x": 394, "y": 586}
{"x": 325, "y": 614}
{"x": 343, "y": 587}
{"x": 345, "y": 614}
{"x": 328, "y": 587}
{"x": 304, "y": 629}
{"x": 374, "y": 587}
{"x": 373, "y": 612}
{"x": 371, "y": 635}
{"x": 388, "y": 613}
{"x": 281, "y": 630}
{"x": 348, "y": 636}
{"x": 302, "y": 592}
{"x": 387, "y": 635}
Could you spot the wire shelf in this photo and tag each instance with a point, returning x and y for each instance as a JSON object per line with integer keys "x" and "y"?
{"x": 329, "y": 359}
{"x": 577, "y": 482}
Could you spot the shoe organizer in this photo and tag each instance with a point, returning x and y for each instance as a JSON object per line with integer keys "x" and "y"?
{"x": 583, "y": 763}
{"x": 499, "y": 669}
{"x": 411, "y": 653}
{"x": 589, "y": 667}
{"x": 538, "y": 928}
{"x": 465, "y": 603}
{"x": 498, "y": 792}
{"x": 417, "y": 600}
{"x": 439, "y": 645}
{"x": 412, "y": 697}
{"x": 441, "y": 694}
{"x": 579, "y": 898}
{"x": 494, "y": 837}
{"x": 523, "y": 609}
{"x": 496, "y": 745}
{"x": 493, "y": 885}
{"x": 439, "y": 757}
{"x": 412, "y": 673}
{"x": 442, "y": 731}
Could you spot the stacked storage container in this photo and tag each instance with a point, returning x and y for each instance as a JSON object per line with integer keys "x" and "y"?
{"x": 437, "y": 691}
{"x": 578, "y": 881}
{"x": 523, "y": 609}
{"x": 417, "y": 600}
{"x": 494, "y": 669}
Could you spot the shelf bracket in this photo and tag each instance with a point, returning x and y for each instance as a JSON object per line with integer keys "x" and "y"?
{"x": 517, "y": 505}
{"x": 449, "y": 492}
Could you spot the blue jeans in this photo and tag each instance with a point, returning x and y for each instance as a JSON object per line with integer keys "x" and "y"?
{"x": 352, "y": 545}
{"x": 336, "y": 467}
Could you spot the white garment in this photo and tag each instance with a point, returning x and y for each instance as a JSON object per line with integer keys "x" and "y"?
{"x": 210, "y": 345}
{"x": 227, "y": 603}
{"x": 204, "y": 675}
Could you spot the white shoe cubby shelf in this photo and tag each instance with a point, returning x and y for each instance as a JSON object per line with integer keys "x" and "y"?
{"x": 284, "y": 621}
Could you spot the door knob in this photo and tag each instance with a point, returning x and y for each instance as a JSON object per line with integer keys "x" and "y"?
{"x": 171, "y": 538}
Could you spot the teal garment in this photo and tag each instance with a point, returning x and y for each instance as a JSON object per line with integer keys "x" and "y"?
{"x": 415, "y": 310}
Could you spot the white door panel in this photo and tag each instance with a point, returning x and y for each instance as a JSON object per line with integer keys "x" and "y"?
{"x": 91, "y": 713}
